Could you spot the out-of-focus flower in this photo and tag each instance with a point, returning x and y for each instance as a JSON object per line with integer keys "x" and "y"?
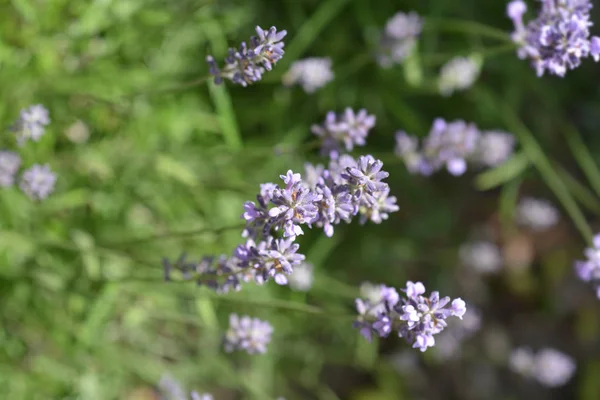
{"x": 38, "y": 182}
{"x": 459, "y": 74}
{"x": 558, "y": 38}
{"x": 247, "y": 334}
{"x": 453, "y": 145}
{"x": 399, "y": 38}
{"x": 414, "y": 317}
{"x": 10, "y": 163}
{"x": 31, "y": 123}
{"x": 588, "y": 270}
{"x": 302, "y": 278}
{"x": 348, "y": 130}
{"x": 247, "y": 64}
{"x": 449, "y": 342}
{"x": 537, "y": 214}
{"x": 78, "y": 132}
{"x": 522, "y": 361}
{"x": 494, "y": 147}
{"x": 553, "y": 368}
{"x": 481, "y": 256}
{"x": 548, "y": 366}
{"x": 311, "y": 73}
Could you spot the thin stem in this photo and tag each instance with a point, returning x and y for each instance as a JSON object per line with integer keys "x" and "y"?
{"x": 580, "y": 191}
{"x": 172, "y": 235}
{"x": 539, "y": 160}
{"x": 464, "y": 26}
{"x": 583, "y": 157}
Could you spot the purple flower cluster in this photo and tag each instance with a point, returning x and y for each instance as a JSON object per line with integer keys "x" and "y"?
{"x": 10, "y": 163}
{"x": 247, "y": 334}
{"x": 38, "y": 181}
{"x": 31, "y": 123}
{"x": 399, "y": 38}
{"x": 346, "y": 130}
{"x": 559, "y": 38}
{"x": 247, "y": 64}
{"x": 414, "y": 317}
{"x": 452, "y": 145}
{"x": 348, "y": 187}
{"x": 589, "y": 270}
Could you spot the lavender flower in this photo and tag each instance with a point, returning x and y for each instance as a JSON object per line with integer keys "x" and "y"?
{"x": 31, "y": 123}
{"x": 348, "y": 129}
{"x": 558, "y": 38}
{"x": 449, "y": 342}
{"x": 301, "y": 279}
{"x": 414, "y": 317}
{"x": 399, "y": 38}
{"x": 452, "y": 145}
{"x": 482, "y": 256}
{"x": 459, "y": 74}
{"x": 549, "y": 367}
{"x": 247, "y": 334}
{"x": 311, "y": 73}
{"x": 589, "y": 270}
{"x": 294, "y": 205}
{"x": 553, "y": 368}
{"x": 247, "y": 64}
{"x": 38, "y": 182}
{"x": 494, "y": 147}
{"x": 9, "y": 166}
{"x": 537, "y": 214}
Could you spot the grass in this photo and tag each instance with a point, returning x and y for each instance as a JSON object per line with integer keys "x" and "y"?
{"x": 171, "y": 158}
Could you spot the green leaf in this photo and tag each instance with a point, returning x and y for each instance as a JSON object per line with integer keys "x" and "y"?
{"x": 506, "y": 172}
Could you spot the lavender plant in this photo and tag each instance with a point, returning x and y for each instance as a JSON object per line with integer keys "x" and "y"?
{"x": 311, "y": 73}
{"x": 247, "y": 64}
{"x": 452, "y": 145}
{"x": 343, "y": 132}
{"x": 399, "y": 38}
{"x": 247, "y": 334}
{"x": 414, "y": 317}
{"x": 558, "y": 38}
{"x": 588, "y": 270}
{"x": 31, "y": 124}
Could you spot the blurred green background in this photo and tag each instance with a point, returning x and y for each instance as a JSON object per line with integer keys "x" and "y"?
{"x": 170, "y": 160}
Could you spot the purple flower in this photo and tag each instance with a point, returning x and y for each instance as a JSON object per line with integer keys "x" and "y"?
{"x": 558, "y": 38}
{"x": 246, "y": 65}
{"x": 294, "y": 206}
{"x": 38, "y": 182}
{"x": 349, "y": 129}
{"x": 453, "y": 145}
{"x": 312, "y": 73}
{"x": 589, "y": 270}
{"x": 399, "y": 38}
{"x": 415, "y": 317}
{"x": 367, "y": 176}
{"x": 279, "y": 259}
{"x": 247, "y": 334}
{"x": 10, "y": 163}
{"x": 31, "y": 123}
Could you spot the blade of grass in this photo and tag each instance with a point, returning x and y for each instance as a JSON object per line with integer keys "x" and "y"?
{"x": 537, "y": 157}
{"x": 461, "y": 26}
{"x": 583, "y": 156}
{"x": 580, "y": 191}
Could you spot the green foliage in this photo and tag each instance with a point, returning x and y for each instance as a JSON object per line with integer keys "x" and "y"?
{"x": 171, "y": 158}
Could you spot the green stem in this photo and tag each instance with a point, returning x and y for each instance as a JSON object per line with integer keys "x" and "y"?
{"x": 583, "y": 157}
{"x": 580, "y": 191}
{"x": 539, "y": 160}
{"x": 172, "y": 235}
{"x": 463, "y": 26}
